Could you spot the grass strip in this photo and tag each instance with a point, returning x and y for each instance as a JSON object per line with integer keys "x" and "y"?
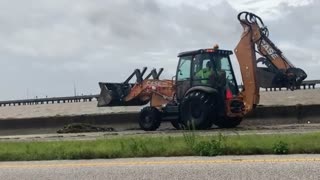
{"x": 190, "y": 144}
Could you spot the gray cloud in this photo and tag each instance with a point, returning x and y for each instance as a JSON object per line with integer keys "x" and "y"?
{"x": 48, "y": 46}
{"x": 298, "y": 35}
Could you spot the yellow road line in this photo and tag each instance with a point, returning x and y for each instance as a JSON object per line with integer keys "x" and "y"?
{"x": 141, "y": 163}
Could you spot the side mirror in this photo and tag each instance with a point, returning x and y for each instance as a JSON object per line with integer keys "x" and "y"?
{"x": 173, "y": 78}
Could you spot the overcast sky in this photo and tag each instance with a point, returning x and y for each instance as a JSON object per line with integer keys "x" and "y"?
{"x": 49, "y": 46}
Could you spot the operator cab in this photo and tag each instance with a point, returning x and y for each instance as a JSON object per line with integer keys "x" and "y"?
{"x": 205, "y": 68}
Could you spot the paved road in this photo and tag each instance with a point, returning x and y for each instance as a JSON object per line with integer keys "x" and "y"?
{"x": 223, "y": 167}
{"x": 242, "y": 130}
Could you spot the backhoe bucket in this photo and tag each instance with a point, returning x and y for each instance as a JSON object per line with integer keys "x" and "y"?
{"x": 272, "y": 77}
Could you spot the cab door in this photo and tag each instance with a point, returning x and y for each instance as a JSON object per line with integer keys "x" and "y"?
{"x": 183, "y": 77}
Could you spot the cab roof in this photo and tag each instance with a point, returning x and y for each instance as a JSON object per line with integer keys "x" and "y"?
{"x": 200, "y": 51}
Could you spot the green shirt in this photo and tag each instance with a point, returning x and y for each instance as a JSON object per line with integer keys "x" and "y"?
{"x": 204, "y": 74}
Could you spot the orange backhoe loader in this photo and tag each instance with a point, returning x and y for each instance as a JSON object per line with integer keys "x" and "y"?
{"x": 204, "y": 91}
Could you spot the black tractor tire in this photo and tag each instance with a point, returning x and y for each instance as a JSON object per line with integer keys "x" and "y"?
{"x": 228, "y": 122}
{"x": 197, "y": 110}
{"x": 150, "y": 119}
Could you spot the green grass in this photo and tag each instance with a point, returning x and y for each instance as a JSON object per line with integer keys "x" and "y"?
{"x": 264, "y": 144}
{"x": 190, "y": 144}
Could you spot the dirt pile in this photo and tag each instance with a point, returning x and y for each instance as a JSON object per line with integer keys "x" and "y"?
{"x": 82, "y": 127}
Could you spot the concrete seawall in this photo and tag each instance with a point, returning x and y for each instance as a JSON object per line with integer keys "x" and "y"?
{"x": 275, "y": 115}
{"x": 113, "y": 119}
{"x": 262, "y": 115}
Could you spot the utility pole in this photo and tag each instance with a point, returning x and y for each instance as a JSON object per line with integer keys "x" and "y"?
{"x": 74, "y": 88}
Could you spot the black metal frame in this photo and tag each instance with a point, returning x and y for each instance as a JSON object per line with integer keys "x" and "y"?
{"x": 193, "y": 54}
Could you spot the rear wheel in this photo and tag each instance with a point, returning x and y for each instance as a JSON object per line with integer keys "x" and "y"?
{"x": 150, "y": 119}
{"x": 197, "y": 110}
{"x": 228, "y": 122}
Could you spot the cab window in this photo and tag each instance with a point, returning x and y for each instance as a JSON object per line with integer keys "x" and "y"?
{"x": 225, "y": 66}
{"x": 184, "y": 68}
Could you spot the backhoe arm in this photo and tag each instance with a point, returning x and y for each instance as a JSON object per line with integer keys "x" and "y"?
{"x": 245, "y": 53}
{"x": 279, "y": 71}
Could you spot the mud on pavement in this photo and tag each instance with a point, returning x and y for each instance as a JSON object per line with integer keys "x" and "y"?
{"x": 166, "y": 130}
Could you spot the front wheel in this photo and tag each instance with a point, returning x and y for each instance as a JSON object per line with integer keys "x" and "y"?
{"x": 150, "y": 119}
{"x": 197, "y": 110}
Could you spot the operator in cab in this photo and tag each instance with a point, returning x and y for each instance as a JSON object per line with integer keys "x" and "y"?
{"x": 205, "y": 73}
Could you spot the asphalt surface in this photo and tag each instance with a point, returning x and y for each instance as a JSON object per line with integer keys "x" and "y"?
{"x": 242, "y": 130}
{"x": 222, "y": 167}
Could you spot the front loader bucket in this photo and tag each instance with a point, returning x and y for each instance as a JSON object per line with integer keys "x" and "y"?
{"x": 112, "y": 94}
{"x": 115, "y": 94}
